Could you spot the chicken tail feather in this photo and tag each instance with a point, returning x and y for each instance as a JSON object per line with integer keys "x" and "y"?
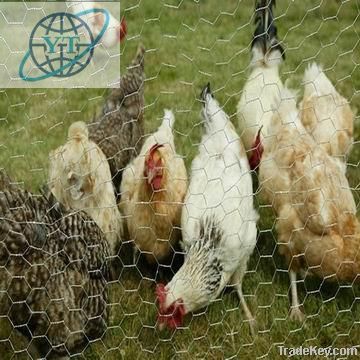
{"x": 130, "y": 84}
{"x": 214, "y": 116}
{"x": 316, "y": 82}
{"x": 134, "y": 79}
{"x": 169, "y": 118}
{"x": 265, "y": 45}
{"x": 206, "y": 91}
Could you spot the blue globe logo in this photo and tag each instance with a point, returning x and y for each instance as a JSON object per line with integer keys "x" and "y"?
{"x": 45, "y": 37}
{"x": 61, "y": 45}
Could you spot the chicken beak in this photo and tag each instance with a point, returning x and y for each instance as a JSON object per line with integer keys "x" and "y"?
{"x": 75, "y": 188}
{"x": 151, "y": 174}
{"x": 76, "y": 193}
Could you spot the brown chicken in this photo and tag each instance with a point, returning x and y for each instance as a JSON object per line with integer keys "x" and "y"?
{"x": 326, "y": 115}
{"x": 119, "y": 129}
{"x": 153, "y": 189}
{"x": 318, "y": 232}
{"x": 53, "y": 272}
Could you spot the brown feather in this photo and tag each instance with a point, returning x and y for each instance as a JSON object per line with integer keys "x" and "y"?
{"x": 119, "y": 129}
{"x": 316, "y": 214}
{"x": 54, "y": 272}
{"x": 154, "y": 217}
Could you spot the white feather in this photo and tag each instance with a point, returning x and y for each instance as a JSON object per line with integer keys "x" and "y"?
{"x": 220, "y": 189}
{"x": 326, "y": 114}
{"x": 316, "y": 82}
{"x": 163, "y": 135}
{"x": 261, "y": 91}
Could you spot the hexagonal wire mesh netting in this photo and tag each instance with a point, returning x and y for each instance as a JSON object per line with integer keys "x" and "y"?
{"x": 92, "y": 284}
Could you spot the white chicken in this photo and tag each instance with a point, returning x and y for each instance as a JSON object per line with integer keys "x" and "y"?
{"x": 263, "y": 86}
{"x": 80, "y": 178}
{"x": 153, "y": 188}
{"x": 115, "y": 31}
{"x": 326, "y": 115}
{"x": 218, "y": 222}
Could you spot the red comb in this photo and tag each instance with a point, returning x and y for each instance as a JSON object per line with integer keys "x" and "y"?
{"x": 123, "y": 29}
{"x": 160, "y": 294}
{"x": 171, "y": 317}
{"x": 257, "y": 152}
{"x": 154, "y": 148}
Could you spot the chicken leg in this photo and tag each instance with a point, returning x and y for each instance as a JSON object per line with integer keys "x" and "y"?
{"x": 295, "y": 312}
{"x": 238, "y": 277}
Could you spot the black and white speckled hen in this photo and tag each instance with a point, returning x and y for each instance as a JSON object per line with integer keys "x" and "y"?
{"x": 53, "y": 271}
{"x": 218, "y": 222}
{"x": 118, "y": 130}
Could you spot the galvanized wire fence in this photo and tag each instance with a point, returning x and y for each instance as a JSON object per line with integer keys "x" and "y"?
{"x": 85, "y": 260}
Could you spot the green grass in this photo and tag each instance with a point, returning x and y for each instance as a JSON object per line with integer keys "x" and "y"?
{"x": 190, "y": 43}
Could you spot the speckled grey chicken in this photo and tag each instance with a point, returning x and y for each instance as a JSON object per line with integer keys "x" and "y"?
{"x": 118, "y": 130}
{"x": 53, "y": 271}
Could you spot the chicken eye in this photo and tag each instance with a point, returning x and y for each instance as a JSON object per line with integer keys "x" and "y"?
{"x": 72, "y": 179}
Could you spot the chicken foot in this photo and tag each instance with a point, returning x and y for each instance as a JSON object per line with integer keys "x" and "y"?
{"x": 295, "y": 313}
